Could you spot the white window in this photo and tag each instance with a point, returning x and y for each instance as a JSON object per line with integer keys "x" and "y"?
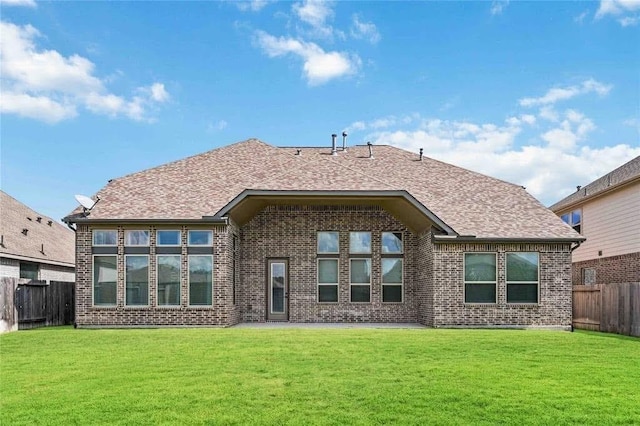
{"x": 168, "y": 238}
{"x": 105, "y": 280}
{"x": 480, "y": 278}
{"x": 105, "y": 237}
{"x": 136, "y": 238}
{"x": 392, "y": 279}
{"x": 168, "y": 281}
{"x": 328, "y": 242}
{"x": 200, "y": 238}
{"x": 392, "y": 243}
{"x": 328, "y": 280}
{"x": 200, "y": 280}
{"x": 136, "y": 280}
{"x": 360, "y": 280}
{"x": 360, "y": 242}
{"x": 522, "y": 277}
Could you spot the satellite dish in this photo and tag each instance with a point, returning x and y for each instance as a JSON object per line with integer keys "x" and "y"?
{"x": 86, "y": 202}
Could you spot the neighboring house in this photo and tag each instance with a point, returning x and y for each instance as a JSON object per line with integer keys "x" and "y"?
{"x": 34, "y": 247}
{"x": 252, "y": 233}
{"x": 607, "y": 213}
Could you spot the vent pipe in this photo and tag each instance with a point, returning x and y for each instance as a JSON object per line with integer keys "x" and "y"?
{"x": 344, "y": 141}
{"x": 24, "y": 231}
{"x": 298, "y": 152}
{"x": 578, "y": 188}
{"x": 370, "y": 145}
{"x": 421, "y": 150}
{"x": 334, "y": 150}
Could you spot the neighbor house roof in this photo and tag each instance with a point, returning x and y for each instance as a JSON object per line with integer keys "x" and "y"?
{"x": 29, "y": 235}
{"x": 621, "y": 176}
{"x": 470, "y": 203}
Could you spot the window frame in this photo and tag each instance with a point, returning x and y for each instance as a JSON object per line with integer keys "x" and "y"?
{"x": 351, "y": 259}
{"x": 179, "y": 231}
{"x": 570, "y": 222}
{"x": 318, "y": 242}
{"x": 126, "y": 304}
{"x": 336, "y": 284}
{"x": 93, "y": 282}
{"x": 189, "y": 257}
{"x": 34, "y": 264}
{"x": 465, "y": 282}
{"x": 383, "y": 284}
{"x": 93, "y": 237}
{"x": 126, "y": 234}
{"x": 507, "y": 282}
{"x": 179, "y": 256}
{"x": 391, "y": 253}
{"x": 358, "y": 253}
{"x": 190, "y": 244}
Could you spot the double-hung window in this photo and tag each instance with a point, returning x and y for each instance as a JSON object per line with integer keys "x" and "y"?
{"x": 200, "y": 280}
{"x": 480, "y": 278}
{"x": 328, "y": 251}
{"x": 392, "y": 265}
{"x": 136, "y": 280}
{"x": 522, "y": 277}
{"x": 168, "y": 281}
{"x": 360, "y": 267}
{"x": 105, "y": 280}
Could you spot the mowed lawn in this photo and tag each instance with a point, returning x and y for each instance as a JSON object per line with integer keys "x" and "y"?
{"x": 318, "y": 376}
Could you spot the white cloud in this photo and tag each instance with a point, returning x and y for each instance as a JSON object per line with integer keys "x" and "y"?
{"x": 580, "y": 18}
{"x": 563, "y": 93}
{"x": 47, "y": 86}
{"x": 27, "y": 3}
{"x": 319, "y": 66}
{"x": 219, "y": 125}
{"x": 364, "y": 30}
{"x": 625, "y": 10}
{"x": 317, "y": 14}
{"x": 498, "y": 6}
{"x": 251, "y": 6}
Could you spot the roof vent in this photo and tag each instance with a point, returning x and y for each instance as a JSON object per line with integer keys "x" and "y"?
{"x": 1, "y": 240}
{"x": 334, "y": 150}
{"x": 49, "y": 222}
{"x": 42, "y": 248}
{"x": 578, "y": 188}
{"x": 370, "y": 145}
{"x": 39, "y": 219}
{"x": 29, "y": 218}
{"x": 344, "y": 141}
{"x": 298, "y": 152}
{"x": 24, "y": 231}
{"x": 421, "y": 150}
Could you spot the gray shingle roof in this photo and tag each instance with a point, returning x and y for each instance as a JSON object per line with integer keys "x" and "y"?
{"x": 469, "y": 202}
{"x": 620, "y": 176}
{"x": 58, "y": 241}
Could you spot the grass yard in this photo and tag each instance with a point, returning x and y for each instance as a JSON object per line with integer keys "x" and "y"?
{"x": 318, "y": 376}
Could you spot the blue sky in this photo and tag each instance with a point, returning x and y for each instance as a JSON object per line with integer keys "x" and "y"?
{"x": 542, "y": 94}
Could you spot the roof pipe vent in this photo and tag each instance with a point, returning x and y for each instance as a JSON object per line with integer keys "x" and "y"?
{"x": 344, "y": 141}
{"x": 578, "y": 188}
{"x": 42, "y": 248}
{"x": 421, "y": 151}
{"x": 298, "y": 152}
{"x": 370, "y": 145}
{"x": 24, "y": 231}
{"x": 39, "y": 219}
{"x": 334, "y": 150}
{"x": 49, "y": 222}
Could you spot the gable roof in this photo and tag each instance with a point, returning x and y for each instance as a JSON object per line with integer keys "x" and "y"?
{"x": 623, "y": 175}
{"x": 200, "y": 186}
{"x": 57, "y": 240}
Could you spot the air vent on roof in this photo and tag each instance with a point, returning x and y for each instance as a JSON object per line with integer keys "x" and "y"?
{"x": 29, "y": 218}
{"x": 370, "y": 145}
{"x": 39, "y": 219}
{"x": 344, "y": 141}
{"x": 421, "y": 150}
{"x": 578, "y": 188}
{"x": 49, "y": 222}
{"x": 298, "y": 152}
{"x": 24, "y": 231}
{"x": 42, "y": 248}
{"x": 334, "y": 150}
{"x": 1, "y": 240}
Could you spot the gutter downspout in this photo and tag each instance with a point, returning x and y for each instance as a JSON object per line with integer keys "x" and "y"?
{"x": 576, "y": 246}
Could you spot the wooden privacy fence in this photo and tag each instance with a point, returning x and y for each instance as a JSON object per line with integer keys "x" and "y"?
{"x": 614, "y": 308}
{"x": 36, "y": 304}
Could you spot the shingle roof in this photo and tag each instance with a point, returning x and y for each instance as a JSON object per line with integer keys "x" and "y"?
{"x": 469, "y": 202}
{"x": 57, "y": 240}
{"x": 620, "y": 176}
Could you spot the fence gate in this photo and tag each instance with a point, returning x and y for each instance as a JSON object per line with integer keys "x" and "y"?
{"x": 42, "y": 305}
{"x": 614, "y": 308}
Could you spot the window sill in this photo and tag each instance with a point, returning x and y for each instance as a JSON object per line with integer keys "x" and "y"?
{"x": 479, "y": 305}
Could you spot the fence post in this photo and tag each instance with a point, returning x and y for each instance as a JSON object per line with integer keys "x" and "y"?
{"x": 8, "y": 310}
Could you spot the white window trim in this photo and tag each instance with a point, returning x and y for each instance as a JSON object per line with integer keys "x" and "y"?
{"x": 169, "y": 245}
{"x": 126, "y": 231}
{"x": 318, "y": 242}
{"x": 465, "y": 282}
{"x": 188, "y": 301}
{"x": 360, "y": 284}
{"x": 93, "y": 281}
{"x": 401, "y": 240}
{"x": 93, "y": 238}
{"x": 336, "y": 284}
{"x": 148, "y": 283}
{"x": 189, "y": 243}
{"x": 158, "y": 281}
{"x": 370, "y": 242}
{"x": 537, "y": 283}
{"x": 401, "y": 284}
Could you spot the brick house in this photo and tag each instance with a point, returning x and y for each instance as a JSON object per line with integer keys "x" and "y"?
{"x": 252, "y": 233}
{"x": 34, "y": 247}
{"x": 605, "y": 212}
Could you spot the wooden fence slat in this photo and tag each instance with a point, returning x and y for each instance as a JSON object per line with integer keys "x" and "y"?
{"x": 8, "y": 311}
{"x": 613, "y": 308}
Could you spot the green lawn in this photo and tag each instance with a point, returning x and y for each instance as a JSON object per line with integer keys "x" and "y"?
{"x": 318, "y": 376}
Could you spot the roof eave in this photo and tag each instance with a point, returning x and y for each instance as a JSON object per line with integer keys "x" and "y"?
{"x": 473, "y": 239}
{"x": 580, "y": 201}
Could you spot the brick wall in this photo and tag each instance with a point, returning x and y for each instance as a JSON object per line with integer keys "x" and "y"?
{"x": 222, "y": 311}
{"x": 553, "y": 309}
{"x": 609, "y": 270}
{"x": 290, "y": 232}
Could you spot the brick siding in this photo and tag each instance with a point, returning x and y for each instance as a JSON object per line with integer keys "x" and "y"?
{"x": 609, "y": 270}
